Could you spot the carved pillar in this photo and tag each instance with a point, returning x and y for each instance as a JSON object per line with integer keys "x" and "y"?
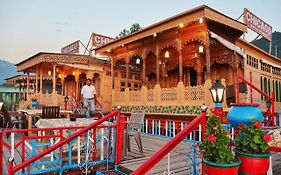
{"x": 235, "y": 72}
{"x": 28, "y": 85}
{"x": 41, "y": 80}
{"x": 127, "y": 74}
{"x": 54, "y": 79}
{"x": 199, "y": 71}
{"x": 77, "y": 83}
{"x": 180, "y": 55}
{"x": 157, "y": 64}
{"x": 112, "y": 72}
{"x": 36, "y": 80}
{"x": 143, "y": 68}
{"x": 208, "y": 58}
{"x": 19, "y": 90}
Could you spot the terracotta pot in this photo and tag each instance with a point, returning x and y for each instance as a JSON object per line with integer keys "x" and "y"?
{"x": 213, "y": 168}
{"x": 253, "y": 164}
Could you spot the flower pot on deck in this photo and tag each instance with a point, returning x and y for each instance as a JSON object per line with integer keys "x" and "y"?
{"x": 213, "y": 168}
{"x": 244, "y": 113}
{"x": 253, "y": 164}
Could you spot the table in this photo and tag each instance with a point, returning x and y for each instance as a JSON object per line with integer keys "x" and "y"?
{"x": 65, "y": 122}
{"x": 30, "y": 113}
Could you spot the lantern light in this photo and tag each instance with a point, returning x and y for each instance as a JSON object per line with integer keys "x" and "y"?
{"x": 59, "y": 75}
{"x": 201, "y": 49}
{"x": 108, "y": 50}
{"x": 154, "y": 34}
{"x": 217, "y": 91}
{"x": 167, "y": 54}
{"x": 73, "y": 73}
{"x": 181, "y": 25}
{"x": 138, "y": 61}
{"x": 200, "y": 20}
{"x": 49, "y": 72}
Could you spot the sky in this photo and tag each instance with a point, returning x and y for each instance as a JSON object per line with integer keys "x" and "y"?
{"x": 31, "y": 26}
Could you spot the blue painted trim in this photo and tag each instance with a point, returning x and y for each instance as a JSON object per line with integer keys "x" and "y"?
{"x": 218, "y": 105}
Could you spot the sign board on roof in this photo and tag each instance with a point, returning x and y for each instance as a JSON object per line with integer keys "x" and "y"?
{"x": 72, "y": 48}
{"x": 257, "y": 25}
{"x": 100, "y": 40}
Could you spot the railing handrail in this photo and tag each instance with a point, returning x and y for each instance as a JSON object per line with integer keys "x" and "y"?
{"x": 152, "y": 161}
{"x": 272, "y": 99}
{"x": 76, "y": 101}
{"x": 67, "y": 140}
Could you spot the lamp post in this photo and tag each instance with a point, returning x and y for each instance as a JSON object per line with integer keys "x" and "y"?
{"x": 217, "y": 91}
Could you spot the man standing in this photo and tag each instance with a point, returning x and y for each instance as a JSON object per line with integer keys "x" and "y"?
{"x": 89, "y": 96}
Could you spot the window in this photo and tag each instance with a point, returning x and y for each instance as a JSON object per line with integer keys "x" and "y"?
{"x": 276, "y": 71}
{"x": 252, "y": 61}
{"x": 265, "y": 67}
{"x": 264, "y": 86}
{"x": 261, "y": 84}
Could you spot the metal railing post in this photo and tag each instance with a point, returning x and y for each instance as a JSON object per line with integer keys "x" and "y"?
{"x": 11, "y": 166}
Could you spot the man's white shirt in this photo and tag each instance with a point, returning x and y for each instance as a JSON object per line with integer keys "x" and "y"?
{"x": 88, "y": 91}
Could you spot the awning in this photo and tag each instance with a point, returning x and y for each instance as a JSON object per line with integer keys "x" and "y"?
{"x": 228, "y": 44}
{"x": 270, "y": 63}
{"x": 84, "y": 67}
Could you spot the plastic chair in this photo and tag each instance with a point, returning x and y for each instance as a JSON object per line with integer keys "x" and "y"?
{"x": 134, "y": 129}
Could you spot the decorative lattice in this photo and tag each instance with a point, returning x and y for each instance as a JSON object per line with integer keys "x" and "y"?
{"x": 194, "y": 93}
{"x": 119, "y": 96}
{"x": 135, "y": 96}
{"x": 150, "y": 95}
{"x": 168, "y": 94}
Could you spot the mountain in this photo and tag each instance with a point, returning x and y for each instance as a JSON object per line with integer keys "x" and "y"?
{"x": 264, "y": 43}
{"x": 7, "y": 69}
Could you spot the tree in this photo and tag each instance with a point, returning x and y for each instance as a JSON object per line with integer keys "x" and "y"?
{"x": 134, "y": 28}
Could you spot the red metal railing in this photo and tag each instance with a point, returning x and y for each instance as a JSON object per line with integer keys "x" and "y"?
{"x": 119, "y": 125}
{"x": 271, "y": 98}
{"x": 158, "y": 156}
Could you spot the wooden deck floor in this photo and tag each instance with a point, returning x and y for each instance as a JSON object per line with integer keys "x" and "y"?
{"x": 180, "y": 163}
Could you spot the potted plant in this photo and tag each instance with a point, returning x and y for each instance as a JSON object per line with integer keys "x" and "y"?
{"x": 252, "y": 149}
{"x": 217, "y": 154}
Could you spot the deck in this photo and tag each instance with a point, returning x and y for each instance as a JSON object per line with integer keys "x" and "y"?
{"x": 179, "y": 157}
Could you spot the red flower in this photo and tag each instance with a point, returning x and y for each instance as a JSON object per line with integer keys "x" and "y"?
{"x": 212, "y": 138}
{"x": 267, "y": 137}
{"x": 240, "y": 126}
{"x": 257, "y": 125}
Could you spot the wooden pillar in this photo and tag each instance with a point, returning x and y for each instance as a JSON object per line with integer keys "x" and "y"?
{"x": 235, "y": 72}
{"x": 77, "y": 83}
{"x": 28, "y": 84}
{"x": 143, "y": 68}
{"x": 36, "y": 80}
{"x": 112, "y": 73}
{"x": 208, "y": 58}
{"x": 127, "y": 74}
{"x": 180, "y": 56}
{"x": 157, "y": 63}
{"x": 54, "y": 79}
{"x": 41, "y": 80}
{"x": 19, "y": 90}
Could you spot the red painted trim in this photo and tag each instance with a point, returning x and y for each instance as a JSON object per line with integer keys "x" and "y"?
{"x": 6, "y": 145}
{"x": 274, "y": 149}
{"x": 23, "y": 150}
{"x": 64, "y": 141}
{"x": 245, "y": 104}
{"x": 152, "y": 161}
{"x": 1, "y": 152}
